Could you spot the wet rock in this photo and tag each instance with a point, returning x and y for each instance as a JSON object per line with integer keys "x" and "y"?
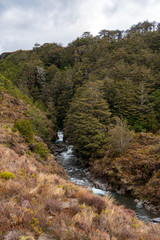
{"x": 157, "y": 220}
{"x": 55, "y": 153}
{"x": 100, "y": 185}
{"x": 98, "y": 191}
{"x": 148, "y": 207}
{"x": 58, "y": 148}
{"x": 140, "y": 204}
{"x": 87, "y": 174}
{"x": 136, "y": 201}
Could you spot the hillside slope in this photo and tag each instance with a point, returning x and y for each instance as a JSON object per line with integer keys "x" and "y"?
{"x": 135, "y": 171}
{"x": 38, "y": 202}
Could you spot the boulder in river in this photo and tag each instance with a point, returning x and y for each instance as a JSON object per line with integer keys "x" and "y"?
{"x": 140, "y": 204}
{"x": 157, "y": 220}
{"x": 100, "y": 185}
{"x": 59, "y": 148}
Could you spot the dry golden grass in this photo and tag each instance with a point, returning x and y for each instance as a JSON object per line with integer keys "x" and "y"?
{"x": 41, "y": 201}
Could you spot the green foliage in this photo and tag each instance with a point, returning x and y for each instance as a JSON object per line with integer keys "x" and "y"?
{"x": 7, "y": 175}
{"x": 11, "y": 65}
{"x": 40, "y": 124}
{"x": 6, "y": 84}
{"x": 87, "y": 119}
{"x": 138, "y": 126}
{"x": 41, "y": 150}
{"x": 66, "y": 83}
{"x": 25, "y": 129}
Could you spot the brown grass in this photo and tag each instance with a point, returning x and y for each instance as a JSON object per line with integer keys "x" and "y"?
{"x": 52, "y": 205}
{"x": 91, "y": 200}
{"x": 39, "y": 201}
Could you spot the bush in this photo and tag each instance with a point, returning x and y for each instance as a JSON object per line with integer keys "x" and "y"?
{"x": 93, "y": 201}
{"x": 41, "y": 125}
{"x": 7, "y": 175}
{"x": 25, "y": 129}
{"x": 120, "y": 136}
{"x": 41, "y": 150}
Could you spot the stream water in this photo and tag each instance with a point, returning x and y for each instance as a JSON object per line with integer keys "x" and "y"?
{"x": 81, "y": 176}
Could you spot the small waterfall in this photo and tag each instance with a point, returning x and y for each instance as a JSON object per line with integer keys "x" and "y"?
{"x": 60, "y": 137}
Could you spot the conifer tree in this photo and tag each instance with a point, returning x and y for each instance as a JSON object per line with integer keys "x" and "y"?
{"x": 87, "y": 120}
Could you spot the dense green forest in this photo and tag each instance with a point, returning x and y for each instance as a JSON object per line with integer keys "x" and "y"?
{"x": 87, "y": 85}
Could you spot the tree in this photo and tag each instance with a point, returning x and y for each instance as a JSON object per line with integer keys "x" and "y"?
{"x": 120, "y": 136}
{"x": 87, "y": 35}
{"x": 87, "y": 120}
{"x": 122, "y": 98}
{"x": 36, "y": 45}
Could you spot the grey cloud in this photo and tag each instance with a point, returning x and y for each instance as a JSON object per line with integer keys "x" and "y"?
{"x": 24, "y": 22}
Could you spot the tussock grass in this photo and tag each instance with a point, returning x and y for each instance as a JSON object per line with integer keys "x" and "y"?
{"x": 89, "y": 199}
{"x": 42, "y": 200}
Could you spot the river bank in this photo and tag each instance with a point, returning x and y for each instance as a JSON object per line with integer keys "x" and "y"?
{"x": 68, "y": 160}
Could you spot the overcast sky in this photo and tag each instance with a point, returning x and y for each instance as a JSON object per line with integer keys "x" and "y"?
{"x": 25, "y": 22}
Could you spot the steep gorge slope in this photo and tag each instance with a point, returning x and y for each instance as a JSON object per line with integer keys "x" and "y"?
{"x": 38, "y": 202}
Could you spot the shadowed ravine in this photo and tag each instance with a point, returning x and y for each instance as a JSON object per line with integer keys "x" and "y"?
{"x": 80, "y": 176}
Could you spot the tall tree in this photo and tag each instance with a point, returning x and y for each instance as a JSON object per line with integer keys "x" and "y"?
{"x": 87, "y": 120}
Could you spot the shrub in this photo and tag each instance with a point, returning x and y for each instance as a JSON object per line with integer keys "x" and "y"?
{"x": 41, "y": 150}
{"x": 120, "y": 136}
{"x": 91, "y": 200}
{"x": 70, "y": 189}
{"x": 7, "y": 175}
{"x": 42, "y": 126}
{"x": 39, "y": 124}
{"x": 25, "y": 129}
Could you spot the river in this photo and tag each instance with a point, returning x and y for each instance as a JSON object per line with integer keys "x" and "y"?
{"x": 80, "y": 176}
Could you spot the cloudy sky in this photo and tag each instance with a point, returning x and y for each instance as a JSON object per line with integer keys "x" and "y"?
{"x": 25, "y": 22}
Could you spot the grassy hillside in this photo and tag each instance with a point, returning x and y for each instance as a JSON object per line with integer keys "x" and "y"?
{"x": 38, "y": 202}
